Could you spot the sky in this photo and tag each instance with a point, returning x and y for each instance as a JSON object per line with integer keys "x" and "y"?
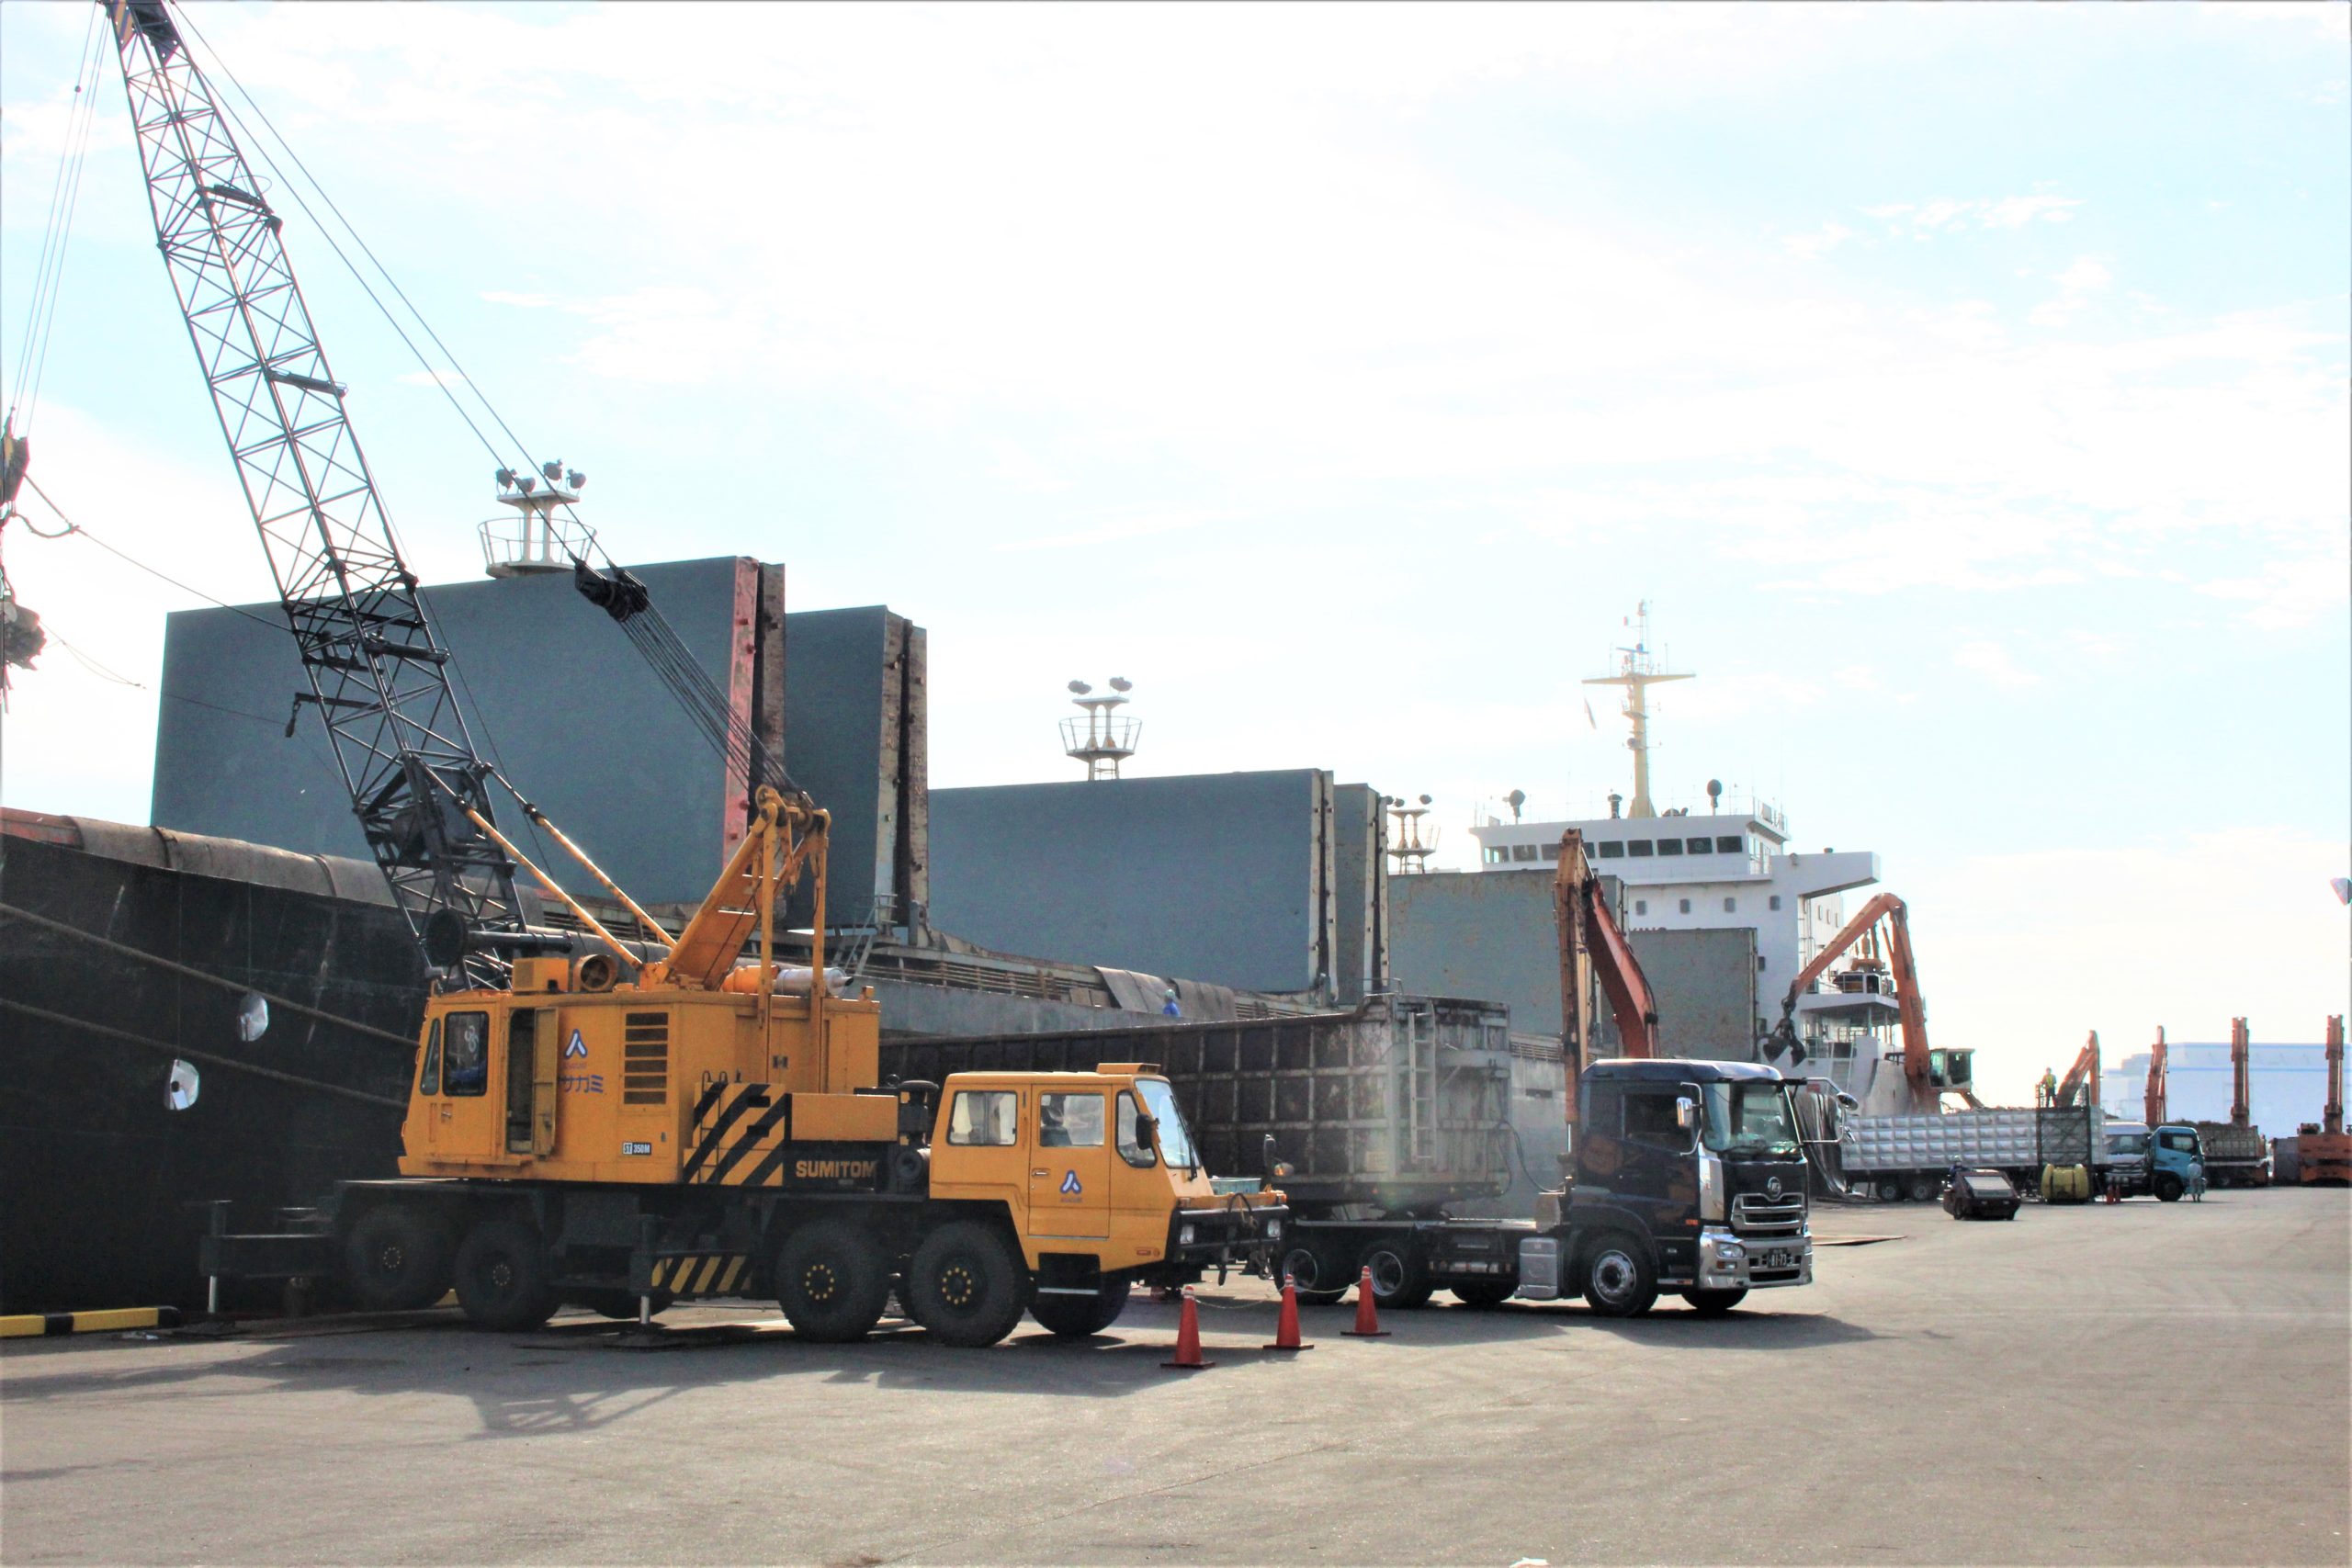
{"x": 1963, "y": 389}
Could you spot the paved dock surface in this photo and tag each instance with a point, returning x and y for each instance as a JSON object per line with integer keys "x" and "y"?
{"x": 2134, "y": 1385}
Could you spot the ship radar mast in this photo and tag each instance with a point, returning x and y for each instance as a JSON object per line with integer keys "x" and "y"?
{"x": 1638, "y": 669}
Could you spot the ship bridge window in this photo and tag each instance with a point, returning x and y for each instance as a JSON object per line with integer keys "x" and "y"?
{"x": 1669, "y": 846}
{"x": 465, "y": 1055}
{"x": 1549, "y": 851}
{"x": 1497, "y": 856}
{"x": 1610, "y": 848}
{"x": 1731, "y": 906}
{"x": 1522, "y": 851}
{"x": 1729, "y": 846}
{"x": 1774, "y": 901}
{"x": 1685, "y": 905}
{"x": 1639, "y": 848}
{"x": 1703, "y": 846}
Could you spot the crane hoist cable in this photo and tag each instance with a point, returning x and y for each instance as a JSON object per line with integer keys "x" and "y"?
{"x": 625, "y": 598}
{"x": 49, "y": 271}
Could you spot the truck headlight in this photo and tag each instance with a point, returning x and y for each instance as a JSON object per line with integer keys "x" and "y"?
{"x": 1184, "y": 1235}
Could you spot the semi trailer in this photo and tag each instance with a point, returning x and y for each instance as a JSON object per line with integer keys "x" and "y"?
{"x": 1681, "y": 1176}
{"x": 1896, "y": 1158}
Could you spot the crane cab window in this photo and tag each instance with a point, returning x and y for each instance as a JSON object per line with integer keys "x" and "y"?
{"x": 986, "y": 1118}
{"x": 1069, "y": 1121}
{"x": 429, "y": 1080}
{"x": 464, "y": 1053}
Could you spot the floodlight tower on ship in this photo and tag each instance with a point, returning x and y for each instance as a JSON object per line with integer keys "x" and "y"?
{"x": 1104, "y": 737}
{"x": 1413, "y": 838}
{"x": 535, "y": 539}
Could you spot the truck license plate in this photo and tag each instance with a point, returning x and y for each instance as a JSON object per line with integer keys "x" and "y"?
{"x": 1780, "y": 1257}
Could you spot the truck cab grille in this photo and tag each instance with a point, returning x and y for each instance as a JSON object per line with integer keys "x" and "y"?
{"x": 1752, "y": 1213}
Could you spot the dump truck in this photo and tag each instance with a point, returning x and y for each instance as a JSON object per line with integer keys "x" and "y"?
{"x": 1894, "y": 1158}
{"x": 2165, "y": 1162}
{"x": 1683, "y": 1176}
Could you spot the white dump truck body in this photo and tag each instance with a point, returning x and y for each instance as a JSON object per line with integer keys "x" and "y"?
{"x": 2022, "y": 1141}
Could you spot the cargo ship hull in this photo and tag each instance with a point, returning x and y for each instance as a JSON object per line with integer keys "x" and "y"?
{"x": 105, "y": 1180}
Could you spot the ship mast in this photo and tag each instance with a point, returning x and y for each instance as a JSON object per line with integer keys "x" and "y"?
{"x": 1637, "y": 670}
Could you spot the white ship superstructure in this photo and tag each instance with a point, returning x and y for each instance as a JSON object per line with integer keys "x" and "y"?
{"x": 1682, "y": 870}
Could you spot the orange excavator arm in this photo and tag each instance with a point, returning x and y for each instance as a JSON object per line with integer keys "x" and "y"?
{"x": 1592, "y": 946}
{"x": 2085, "y": 1072}
{"x": 1911, "y": 1010}
{"x": 2153, "y": 1100}
{"x": 2241, "y": 1073}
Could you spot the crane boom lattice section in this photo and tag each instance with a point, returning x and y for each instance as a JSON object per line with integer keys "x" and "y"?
{"x": 377, "y": 671}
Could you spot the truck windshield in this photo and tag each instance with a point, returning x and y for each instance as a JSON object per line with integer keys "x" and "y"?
{"x": 1749, "y": 1119}
{"x": 1175, "y": 1140}
{"x": 2127, "y": 1143}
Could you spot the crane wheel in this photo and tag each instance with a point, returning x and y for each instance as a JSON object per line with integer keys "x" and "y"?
{"x": 831, "y": 1281}
{"x": 1081, "y": 1317}
{"x": 967, "y": 1285}
{"x": 504, "y": 1279}
{"x": 398, "y": 1258}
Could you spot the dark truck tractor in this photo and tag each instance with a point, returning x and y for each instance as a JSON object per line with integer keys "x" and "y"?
{"x": 1688, "y": 1175}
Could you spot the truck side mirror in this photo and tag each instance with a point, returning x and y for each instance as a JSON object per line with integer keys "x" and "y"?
{"x": 1686, "y": 1113}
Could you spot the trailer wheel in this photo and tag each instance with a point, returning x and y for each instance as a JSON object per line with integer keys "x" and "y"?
{"x": 503, "y": 1281}
{"x": 1617, "y": 1278}
{"x": 966, "y": 1285}
{"x": 831, "y": 1281}
{"x": 1924, "y": 1188}
{"x": 1399, "y": 1279}
{"x": 1483, "y": 1292}
{"x": 2168, "y": 1187}
{"x": 1081, "y": 1317}
{"x": 398, "y": 1258}
{"x": 1889, "y": 1191}
{"x": 1309, "y": 1270}
{"x": 1715, "y": 1303}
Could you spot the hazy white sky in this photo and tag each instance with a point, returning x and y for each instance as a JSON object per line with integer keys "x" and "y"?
{"x": 1966, "y": 388}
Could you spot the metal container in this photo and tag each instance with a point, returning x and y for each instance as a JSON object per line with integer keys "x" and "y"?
{"x": 1399, "y": 1106}
{"x": 2004, "y": 1140}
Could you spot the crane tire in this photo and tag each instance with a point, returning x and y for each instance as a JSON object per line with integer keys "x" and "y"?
{"x": 398, "y": 1258}
{"x": 831, "y": 1281}
{"x": 504, "y": 1281}
{"x": 967, "y": 1285}
{"x": 1081, "y": 1317}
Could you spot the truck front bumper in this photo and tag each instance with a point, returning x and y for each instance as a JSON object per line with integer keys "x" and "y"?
{"x": 1228, "y": 1234}
{"x": 1732, "y": 1263}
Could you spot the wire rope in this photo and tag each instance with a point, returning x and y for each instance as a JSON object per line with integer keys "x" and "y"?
{"x": 57, "y": 232}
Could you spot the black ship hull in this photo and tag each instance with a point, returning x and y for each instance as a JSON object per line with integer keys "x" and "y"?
{"x": 104, "y": 1183}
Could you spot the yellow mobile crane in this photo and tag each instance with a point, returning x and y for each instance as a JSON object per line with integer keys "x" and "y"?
{"x": 655, "y": 1120}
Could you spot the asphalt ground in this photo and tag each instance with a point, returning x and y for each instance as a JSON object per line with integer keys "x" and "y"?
{"x": 2137, "y": 1383}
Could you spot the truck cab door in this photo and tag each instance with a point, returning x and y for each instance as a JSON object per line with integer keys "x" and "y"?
{"x": 1069, "y": 1169}
{"x": 1657, "y": 1176}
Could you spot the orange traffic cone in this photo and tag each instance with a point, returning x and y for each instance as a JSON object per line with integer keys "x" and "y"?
{"x": 1286, "y": 1325}
{"x": 1188, "y": 1338}
{"x": 1367, "y": 1318}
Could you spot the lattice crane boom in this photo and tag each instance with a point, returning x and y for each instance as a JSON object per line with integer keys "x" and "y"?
{"x": 378, "y": 673}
